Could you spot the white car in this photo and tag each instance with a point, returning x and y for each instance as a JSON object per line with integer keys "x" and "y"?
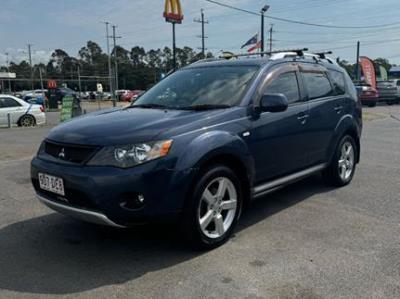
{"x": 21, "y": 113}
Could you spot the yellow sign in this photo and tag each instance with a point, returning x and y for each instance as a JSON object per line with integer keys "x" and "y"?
{"x": 173, "y": 11}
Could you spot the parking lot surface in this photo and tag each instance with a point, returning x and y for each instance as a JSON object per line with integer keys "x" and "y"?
{"x": 305, "y": 241}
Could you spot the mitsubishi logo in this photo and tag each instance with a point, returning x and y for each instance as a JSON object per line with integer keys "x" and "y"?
{"x": 61, "y": 154}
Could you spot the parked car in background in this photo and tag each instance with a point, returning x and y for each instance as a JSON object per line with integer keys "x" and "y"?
{"x": 39, "y": 100}
{"x": 131, "y": 96}
{"x": 21, "y": 113}
{"x": 66, "y": 91}
{"x": 388, "y": 92}
{"x": 367, "y": 94}
{"x": 119, "y": 93}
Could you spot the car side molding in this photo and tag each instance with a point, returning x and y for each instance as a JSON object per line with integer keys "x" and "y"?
{"x": 274, "y": 185}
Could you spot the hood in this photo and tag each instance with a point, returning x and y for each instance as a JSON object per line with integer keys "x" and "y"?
{"x": 125, "y": 126}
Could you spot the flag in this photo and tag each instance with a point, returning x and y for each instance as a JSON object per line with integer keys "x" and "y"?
{"x": 368, "y": 70}
{"x": 251, "y": 41}
{"x": 257, "y": 46}
{"x": 383, "y": 72}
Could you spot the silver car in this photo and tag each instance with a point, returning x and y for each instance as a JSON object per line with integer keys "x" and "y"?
{"x": 389, "y": 91}
{"x": 20, "y": 112}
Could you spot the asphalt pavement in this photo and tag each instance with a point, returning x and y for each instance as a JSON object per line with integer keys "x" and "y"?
{"x": 305, "y": 241}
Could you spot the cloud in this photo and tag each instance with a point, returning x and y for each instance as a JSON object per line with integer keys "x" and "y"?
{"x": 18, "y": 55}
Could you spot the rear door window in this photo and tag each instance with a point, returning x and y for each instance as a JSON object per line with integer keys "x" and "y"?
{"x": 318, "y": 85}
{"x": 286, "y": 84}
{"x": 338, "y": 82}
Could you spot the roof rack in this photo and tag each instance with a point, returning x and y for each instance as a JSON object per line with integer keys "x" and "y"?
{"x": 277, "y": 54}
{"x": 229, "y": 55}
{"x": 322, "y": 55}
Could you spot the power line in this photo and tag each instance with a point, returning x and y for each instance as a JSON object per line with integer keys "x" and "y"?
{"x": 299, "y": 22}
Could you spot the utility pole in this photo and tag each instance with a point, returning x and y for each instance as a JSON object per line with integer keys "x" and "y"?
{"x": 203, "y": 37}
{"x": 41, "y": 81}
{"x": 115, "y": 59}
{"x": 358, "y": 62}
{"x": 109, "y": 61}
{"x": 8, "y": 70}
{"x": 79, "y": 82}
{"x": 263, "y": 11}
{"x": 30, "y": 63}
{"x": 270, "y": 37}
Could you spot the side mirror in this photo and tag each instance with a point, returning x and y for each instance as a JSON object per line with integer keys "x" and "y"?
{"x": 273, "y": 102}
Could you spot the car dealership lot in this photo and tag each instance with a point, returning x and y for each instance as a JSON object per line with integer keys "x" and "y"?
{"x": 306, "y": 241}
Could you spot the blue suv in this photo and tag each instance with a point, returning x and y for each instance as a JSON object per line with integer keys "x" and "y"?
{"x": 203, "y": 143}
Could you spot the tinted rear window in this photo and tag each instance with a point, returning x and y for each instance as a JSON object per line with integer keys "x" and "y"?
{"x": 338, "y": 82}
{"x": 318, "y": 85}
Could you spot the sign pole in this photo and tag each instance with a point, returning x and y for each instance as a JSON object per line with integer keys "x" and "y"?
{"x": 173, "y": 14}
{"x": 173, "y": 47}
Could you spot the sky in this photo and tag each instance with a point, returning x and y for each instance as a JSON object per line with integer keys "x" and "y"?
{"x": 69, "y": 24}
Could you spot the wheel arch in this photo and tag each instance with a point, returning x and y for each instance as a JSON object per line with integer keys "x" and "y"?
{"x": 345, "y": 127}
{"x": 238, "y": 167}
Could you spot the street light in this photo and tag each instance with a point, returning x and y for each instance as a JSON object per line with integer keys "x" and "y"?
{"x": 263, "y": 11}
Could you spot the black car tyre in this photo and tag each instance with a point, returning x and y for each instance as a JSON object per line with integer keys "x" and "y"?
{"x": 343, "y": 165}
{"x": 213, "y": 208}
{"x": 27, "y": 121}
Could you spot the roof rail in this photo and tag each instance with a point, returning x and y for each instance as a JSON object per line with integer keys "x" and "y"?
{"x": 229, "y": 55}
{"x": 322, "y": 55}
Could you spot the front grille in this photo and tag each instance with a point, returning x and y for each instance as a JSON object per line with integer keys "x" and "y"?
{"x": 69, "y": 153}
{"x": 73, "y": 197}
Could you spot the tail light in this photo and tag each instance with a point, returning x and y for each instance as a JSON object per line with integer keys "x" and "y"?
{"x": 41, "y": 108}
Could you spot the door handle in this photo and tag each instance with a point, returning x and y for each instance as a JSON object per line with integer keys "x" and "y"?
{"x": 302, "y": 117}
{"x": 338, "y": 109}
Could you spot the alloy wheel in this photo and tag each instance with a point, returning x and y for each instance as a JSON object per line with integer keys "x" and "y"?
{"x": 346, "y": 161}
{"x": 217, "y": 208}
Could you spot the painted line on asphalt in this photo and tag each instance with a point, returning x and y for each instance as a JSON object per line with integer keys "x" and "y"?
{"x": 16, "y": 161}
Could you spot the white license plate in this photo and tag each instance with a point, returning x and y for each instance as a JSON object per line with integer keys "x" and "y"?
{"x": 51, "y": 183}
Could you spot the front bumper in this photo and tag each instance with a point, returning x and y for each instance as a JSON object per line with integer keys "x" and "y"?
{"x": 79, "y": 213}
{"x": 99, "y": 194}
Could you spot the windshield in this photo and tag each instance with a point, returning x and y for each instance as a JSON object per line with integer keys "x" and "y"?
{"x": 209, "y": 87}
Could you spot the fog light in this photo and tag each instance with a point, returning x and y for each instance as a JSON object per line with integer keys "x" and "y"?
{"x": 132, "y": 201}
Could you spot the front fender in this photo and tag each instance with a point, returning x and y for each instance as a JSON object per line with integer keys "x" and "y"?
{"x": 204, "y": 148}
{"x": 212, "y": 144}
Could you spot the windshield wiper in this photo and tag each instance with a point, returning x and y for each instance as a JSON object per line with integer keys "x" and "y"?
{"x": 205, "y": 107}
{"x": 148, "y": 106}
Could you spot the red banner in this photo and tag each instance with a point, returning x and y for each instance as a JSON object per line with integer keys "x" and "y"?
{"x": 368, "y": 70}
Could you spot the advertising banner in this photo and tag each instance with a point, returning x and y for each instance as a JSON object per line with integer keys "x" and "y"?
{"x": 383, "y": 72}
{"x": 368, "y": 70}
{"x": 66, "y": 110}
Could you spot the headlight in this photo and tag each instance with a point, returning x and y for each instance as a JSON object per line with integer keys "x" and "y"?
{"x": 131, "y": 155}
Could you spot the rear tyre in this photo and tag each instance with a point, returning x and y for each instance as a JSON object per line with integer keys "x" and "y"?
{"x": 27, "y": 121}
{"x": 213, "y": 209}
{"x": 343, "y": 166}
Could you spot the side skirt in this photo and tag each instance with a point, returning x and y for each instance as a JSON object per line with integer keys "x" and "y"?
{"x": 277, "y": 184}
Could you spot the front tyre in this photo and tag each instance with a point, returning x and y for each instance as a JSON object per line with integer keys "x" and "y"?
{"x": 342, "y": 168}
{"x": 212, "y": 212}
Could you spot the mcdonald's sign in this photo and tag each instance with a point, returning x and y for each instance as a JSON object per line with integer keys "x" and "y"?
{"x": 173, "y": 11}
